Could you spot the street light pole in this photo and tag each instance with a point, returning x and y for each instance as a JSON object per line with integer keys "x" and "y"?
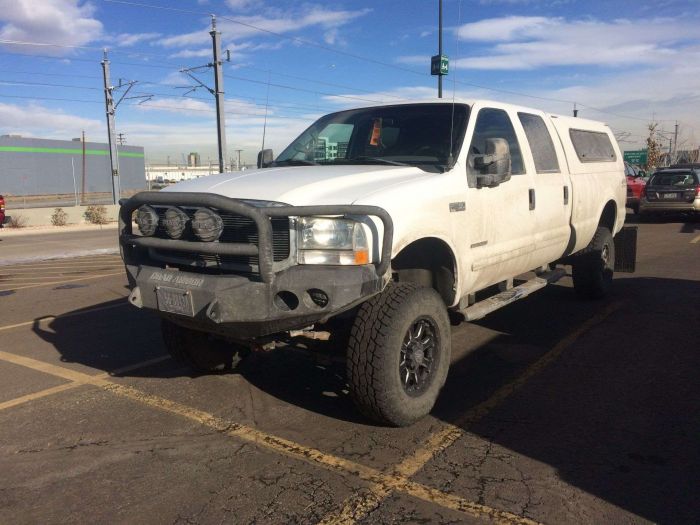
{"x": 440, "y": 46}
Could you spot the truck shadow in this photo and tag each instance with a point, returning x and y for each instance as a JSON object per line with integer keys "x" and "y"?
{"x": 616, "y": 415}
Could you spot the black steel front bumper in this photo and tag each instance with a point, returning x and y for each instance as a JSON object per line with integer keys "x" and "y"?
{"x": 245, "y": 306}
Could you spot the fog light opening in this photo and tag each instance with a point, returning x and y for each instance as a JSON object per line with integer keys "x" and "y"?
{"x": 286, "y": 301}
{"x": 318, "y": 297}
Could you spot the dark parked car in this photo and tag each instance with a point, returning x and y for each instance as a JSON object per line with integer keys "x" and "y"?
{"x": 2, "y": 211}
{"x": 672, "y": 190}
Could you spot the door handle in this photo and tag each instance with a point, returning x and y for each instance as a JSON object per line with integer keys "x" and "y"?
{"x": 531, "y": 194}
{"x": 566, "y": 195}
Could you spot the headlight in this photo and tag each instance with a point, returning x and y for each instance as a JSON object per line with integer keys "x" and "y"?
{"x": 175, "y": 222}
{"x": 147, "y": 220}
{"x": 207, "y": 225}
{"x": 331, "y": 241}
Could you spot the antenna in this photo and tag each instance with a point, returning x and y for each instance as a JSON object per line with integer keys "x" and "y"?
{"x": 267, "y": 100}
{"x": 450, "y": 158}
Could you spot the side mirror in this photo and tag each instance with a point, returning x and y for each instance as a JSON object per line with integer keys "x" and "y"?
{"x": 265, "y": 158}
{"x": 495, "y": 166}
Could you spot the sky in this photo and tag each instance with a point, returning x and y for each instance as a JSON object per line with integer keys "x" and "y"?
{"x": 624, "y": 62}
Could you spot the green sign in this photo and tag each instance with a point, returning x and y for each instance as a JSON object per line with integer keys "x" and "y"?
{"x": 638, "y": 157}
{"x": 439, "y": 65}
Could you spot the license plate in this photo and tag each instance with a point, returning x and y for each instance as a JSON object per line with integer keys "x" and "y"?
{"x": 669, "y": 196}
{"x": 175, "y": 301}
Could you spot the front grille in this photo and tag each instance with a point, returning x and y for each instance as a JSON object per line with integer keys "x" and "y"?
{"x": 237, "y": 229}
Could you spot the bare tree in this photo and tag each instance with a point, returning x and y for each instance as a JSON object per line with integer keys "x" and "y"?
{"x": 653, "y": 148}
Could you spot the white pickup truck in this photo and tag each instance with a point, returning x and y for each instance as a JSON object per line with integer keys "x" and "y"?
{"x": 390, "y": 222}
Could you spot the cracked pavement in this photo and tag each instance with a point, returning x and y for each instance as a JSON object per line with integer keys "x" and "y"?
{"x": 605, "y": 433}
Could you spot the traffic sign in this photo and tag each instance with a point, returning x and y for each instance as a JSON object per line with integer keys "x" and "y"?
{"x": 638, "y": 157}
{"x": 439, "y": 65}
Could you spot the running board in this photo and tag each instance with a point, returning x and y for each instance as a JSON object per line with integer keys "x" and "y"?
{"x": 493, "y": 303}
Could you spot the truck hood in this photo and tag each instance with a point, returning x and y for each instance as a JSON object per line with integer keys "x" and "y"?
{"x": 304, "y": 185}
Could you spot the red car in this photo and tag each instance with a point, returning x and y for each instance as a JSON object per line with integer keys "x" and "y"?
{"x": 635, "y": 187}
{"x": 2, "y": 211}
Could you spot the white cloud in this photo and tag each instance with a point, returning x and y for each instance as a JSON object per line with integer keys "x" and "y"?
{"x": 189, "y": 53}
{"x": 130, "y": 39}
{"x": 505, "y": 28}
{"x": 62, "y": 22}
{"x": 239, "y": 4}
{"x": 534, "y": 42}
{"x": 33, "y": 119}
{"x": 184, "y": 105}
{"x": 274, "y": 20}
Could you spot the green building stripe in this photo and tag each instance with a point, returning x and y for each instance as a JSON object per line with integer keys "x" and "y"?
{"x": 67, "y": 151}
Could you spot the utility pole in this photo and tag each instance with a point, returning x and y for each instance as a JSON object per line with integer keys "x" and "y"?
{"x": 675, "y": 139}
{"x": 219, "y": 93}
{"x": 575, "y": 110}
{"x": 121, "y": 139}
{"x": 238, "y": 164}
{"x": 440, "y": 46}
{"x": 110, "y": 109}
{"x": 218, "y": 90}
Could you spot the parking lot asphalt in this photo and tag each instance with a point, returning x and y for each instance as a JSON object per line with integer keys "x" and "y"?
{"x": 555, "y": 411}
{"x": 28, "y": 245}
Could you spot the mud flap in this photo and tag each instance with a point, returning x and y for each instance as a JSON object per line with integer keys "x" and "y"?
{"x": 626, "y": 249}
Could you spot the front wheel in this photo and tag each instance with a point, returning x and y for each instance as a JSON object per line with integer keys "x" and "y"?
{"x": 399, "y": 354}
{"x": 592, "y": 270}
{"x": 200, "y": 351}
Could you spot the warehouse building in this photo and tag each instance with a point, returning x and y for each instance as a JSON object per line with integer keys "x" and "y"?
{"x": 31, "y": 166}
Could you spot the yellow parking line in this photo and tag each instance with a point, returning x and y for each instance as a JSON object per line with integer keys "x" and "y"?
{"x": 38, "y": 395}
{"x": 74, "y": 384}
{"x": 354, "y": 508}
{"x": 696, "y": 240}
{"x": 273, "y": 443}
{"x": 62, "y": 316}
{"x": 6, "y": 289}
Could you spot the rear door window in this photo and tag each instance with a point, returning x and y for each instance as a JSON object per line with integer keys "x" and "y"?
{"x": 541, "y": 144}
{"x": 592, "y": 146}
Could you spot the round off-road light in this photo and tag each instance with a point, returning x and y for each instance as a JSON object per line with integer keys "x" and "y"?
{"x": 207, "y": 225}
{"x": 147, "y": 220}
{"x": 175, "y": 222}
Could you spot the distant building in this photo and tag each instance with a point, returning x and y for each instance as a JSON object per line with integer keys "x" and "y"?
{"x": 193, "y": 160}
{"x": 32, "y": 166}
{"x": 163, "y": 173}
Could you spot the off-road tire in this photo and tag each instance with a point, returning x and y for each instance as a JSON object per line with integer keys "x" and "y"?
{"x": 593, "y": 268}
{"x": 374, "y": 353}
{"x": 200, "y": 351}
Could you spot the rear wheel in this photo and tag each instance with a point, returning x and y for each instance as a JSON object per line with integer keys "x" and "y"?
{"x": 399, "y": 354}
{"x": 201, "y": 351}
{"x": 592, "y": 270}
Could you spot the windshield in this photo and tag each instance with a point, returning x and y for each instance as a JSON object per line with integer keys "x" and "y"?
{"x": 413, "y": 134}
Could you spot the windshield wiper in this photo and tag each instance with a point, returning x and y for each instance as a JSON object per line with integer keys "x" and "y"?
{"x": 379, "y": 160}
{"x": 295, "y": 162}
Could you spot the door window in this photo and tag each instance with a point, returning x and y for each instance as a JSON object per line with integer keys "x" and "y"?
{"x": 493, "y": 123}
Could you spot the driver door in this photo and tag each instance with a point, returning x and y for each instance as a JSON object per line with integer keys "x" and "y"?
{"x": 500, "y": 218}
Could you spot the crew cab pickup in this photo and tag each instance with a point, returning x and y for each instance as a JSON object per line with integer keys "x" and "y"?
{"x": 386, "y": 224}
